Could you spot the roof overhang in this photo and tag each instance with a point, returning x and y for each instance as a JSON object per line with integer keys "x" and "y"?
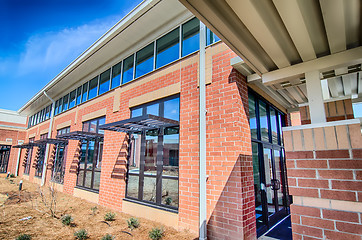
{"x": 280, "y": 40}
{"x": 143, "y": 24}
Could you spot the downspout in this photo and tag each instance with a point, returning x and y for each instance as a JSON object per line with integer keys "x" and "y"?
{"x": 45, "y": 164}
{"x": 202, "y": 146}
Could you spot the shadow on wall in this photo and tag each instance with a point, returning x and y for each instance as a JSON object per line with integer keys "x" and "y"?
{"x": 233, "y": 216}
{"x": 74, "y": 165}
{"x": 120, "y": 166}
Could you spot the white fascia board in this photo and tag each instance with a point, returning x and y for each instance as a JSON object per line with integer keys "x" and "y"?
{"x": 132, "y": 16}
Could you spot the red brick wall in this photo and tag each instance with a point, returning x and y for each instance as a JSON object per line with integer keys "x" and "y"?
{"x": 230, "y": 193}
{"x": 325, "y": 179}
{"x": 15, "y": 135}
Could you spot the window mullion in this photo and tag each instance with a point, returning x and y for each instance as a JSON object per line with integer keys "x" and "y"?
{"x": 159, "y": 166}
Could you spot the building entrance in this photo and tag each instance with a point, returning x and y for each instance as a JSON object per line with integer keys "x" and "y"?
{"x": 4, "y": 158}
{"x": 270, "y": 180}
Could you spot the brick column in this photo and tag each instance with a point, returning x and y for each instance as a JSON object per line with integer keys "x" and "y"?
{"x": 324, "y": 165}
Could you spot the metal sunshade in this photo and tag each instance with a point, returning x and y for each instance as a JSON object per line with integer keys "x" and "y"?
{"x": 25, "y": 145}
{"x": 49, "y": 140}
{"x": 138, "y": 124}
{"x": 80, "y": 135}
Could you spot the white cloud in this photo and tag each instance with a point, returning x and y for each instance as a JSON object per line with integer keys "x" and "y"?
{"x": 53, "y": 51}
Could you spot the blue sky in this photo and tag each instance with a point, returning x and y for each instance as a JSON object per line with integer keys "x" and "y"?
{"x": 41, "y": 37}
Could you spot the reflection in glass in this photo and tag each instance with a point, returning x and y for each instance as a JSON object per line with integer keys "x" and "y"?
{"x": 211, "y": 37}
{"x": 65, "y": 103}
{"x": 93, "y": 88}
{"x": 85, "y": 92}
{"x": 72, "y": 99}
{"x": 104, "y": 81}
{"x": 79, "y": 95}
{"x": 116, "y": 75}
{"x": 170, "y": 192}
{"x": 132, "y": 186}
{"x": 279, "y": 176}
{"x": 144, "y": 60}
{"x": 252, "y": 117}
{"x": 257, "y": 186}
{"x": 167, "y": 48}
{"x": 149, "y": 189}
{"x": 153, "y": 109}
{"x": 151, "y": 152}
{"x": 190, "y": 36}
{"x": 274, "y": 127}
{"x": 263, "y": 122}
{"x": 127, "y": 69}
{"x": 268, "y": 180}
{"x": 136, "y": 112}
{"x": 172, "y": 109}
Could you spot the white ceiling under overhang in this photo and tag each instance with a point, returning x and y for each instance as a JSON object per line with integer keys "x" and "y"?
{"x": 280, "y": 40}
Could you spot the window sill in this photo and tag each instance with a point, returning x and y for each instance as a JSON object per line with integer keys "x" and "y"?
{"x": 151, "y": 205}
{"x": 87, "y": 189}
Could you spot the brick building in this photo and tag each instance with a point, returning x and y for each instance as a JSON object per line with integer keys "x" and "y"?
{"x": 159, "y": 119}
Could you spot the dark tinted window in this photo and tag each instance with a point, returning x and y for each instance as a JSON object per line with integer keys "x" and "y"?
{"x": 127, "y": 70}
{"x": 190, "y": 36}
{"x": 93, "y": 87}
{"x": 72, "y": 99}
{"x": 144, "y": 60}
{"x": 104, "y": 80}
{"x": 167, "y": 48}
{"x": 116, "y": 75}
{"x": 85, "y": 92}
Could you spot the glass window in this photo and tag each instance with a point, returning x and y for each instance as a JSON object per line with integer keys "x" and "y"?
{"x": 252, "y": 117}
{"x": 127, "y": 69}
{"x": 93, "y": 88}
{"x": 172, "y": 109}
{"x": 211, "y": 37}
{"x": 274, "y": 125}
{"x": 89, "y": 167}
{"x": 65, "y": 103}
{"x": 167, "y": 48}
{"x": 263, "y": 122}
{"x": 159, "y": 144}
{"x": 60, "y": 105}
{"x": 79, "y": 95}
{"x": 104, "y": 80}
{"x": 136, "y": 112}
{"x": 85, "y": 92}
{"x": 190, "y": 36}
{"x": 72, "y": 99}
{"x": 116, "y": 75}
{"x": 47, "y": 112}
{"x": 144, "y": 60}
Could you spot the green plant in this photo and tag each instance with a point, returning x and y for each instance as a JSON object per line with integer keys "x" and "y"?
{"x": 67, "y": 220}
{"x": 107, "y": 237}
{"x": 168, "y": 201}
{"x": 81, "y": 234}
{"x": 94, "y": 210}
{"x": 156, "y": 233}
{"x": 110, "y": 216}
{"x": 12, "y": 175}
{"x": 23, "y": 237}
{"x": 133, "y": 223}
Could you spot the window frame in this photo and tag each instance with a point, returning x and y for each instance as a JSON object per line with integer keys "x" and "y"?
{"x": 159, "y": 164}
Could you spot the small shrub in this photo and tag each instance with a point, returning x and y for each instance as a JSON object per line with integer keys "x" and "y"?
{"x": 12, "y": 175}
{"x": 156, "y": 233}
{"x": 23, "y": 237}
{"x": 133, "y": 223}
{"x": 107, "y": 237}
{"x": 110, "y": 216}
{"x": 94, "y": 210}
{"x": 81, "y": 234}
{"x": 168, "y": 201}
{"x": 67, "y": 220}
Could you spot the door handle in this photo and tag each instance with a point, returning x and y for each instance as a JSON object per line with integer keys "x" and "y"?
{"x": 275, "y": 184}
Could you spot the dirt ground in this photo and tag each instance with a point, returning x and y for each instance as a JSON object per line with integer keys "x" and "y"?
{"x": 15, "y": 205}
